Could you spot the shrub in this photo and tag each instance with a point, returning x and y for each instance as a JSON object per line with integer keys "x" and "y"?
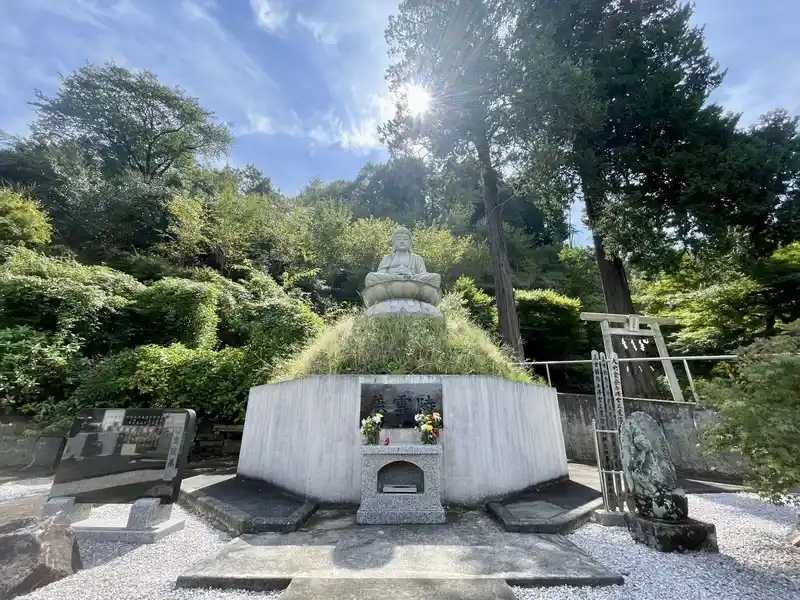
{"x": 21, "y": 261}
{"x": 176, "y": 310}
{"x": 64, "y": 306}
{"x": 213, "y": 383}
{"x": 22, "y": 223}
{"x": 278, "y": 327}
{"x": 480, "y": 305}
{"x": 758, "y": 413}
{"x": 419, "y": 345}
{"x": 550, "y": 325}
{"x": 36, "y": 367}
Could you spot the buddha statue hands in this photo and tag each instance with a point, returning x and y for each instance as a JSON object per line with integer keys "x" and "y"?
{"x": 406, "y": 269}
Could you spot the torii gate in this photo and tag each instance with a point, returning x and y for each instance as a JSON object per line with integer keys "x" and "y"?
{"x": 631, "y": 325}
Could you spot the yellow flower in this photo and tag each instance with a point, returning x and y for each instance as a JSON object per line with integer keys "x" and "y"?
{"x": 428, "y": 427}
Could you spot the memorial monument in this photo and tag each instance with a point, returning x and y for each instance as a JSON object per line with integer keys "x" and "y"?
{"x": 133, "y": 455}
{"x": 662, "y": 509}
{"x": 290, "y": 424}
{"x": 402, "y": 284}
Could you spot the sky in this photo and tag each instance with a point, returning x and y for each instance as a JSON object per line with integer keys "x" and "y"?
{"x": 302, "y": 80}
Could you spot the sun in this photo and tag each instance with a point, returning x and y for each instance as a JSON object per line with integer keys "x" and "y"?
{"x": 418, "y": 99}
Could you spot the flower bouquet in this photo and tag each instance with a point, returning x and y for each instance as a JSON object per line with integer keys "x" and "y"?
{"x": 371, "y": 429}
{"x": 429, "y": 426}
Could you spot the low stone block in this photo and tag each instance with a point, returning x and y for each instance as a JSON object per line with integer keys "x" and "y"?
{"x": 383, "y": 468}
{"x": 673, "y": 536}
{"x": 36, "y": 552}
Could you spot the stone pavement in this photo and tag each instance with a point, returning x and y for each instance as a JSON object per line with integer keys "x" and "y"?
{"x": 470, "y": 549}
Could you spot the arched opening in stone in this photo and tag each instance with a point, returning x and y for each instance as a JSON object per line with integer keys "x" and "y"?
{"x": 401, "y": 477}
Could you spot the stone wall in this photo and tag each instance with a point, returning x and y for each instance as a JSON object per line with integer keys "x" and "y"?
{"x": 680, "y": 421}
{"x": 21, "y": 449}
{"x": 499, "y": 436}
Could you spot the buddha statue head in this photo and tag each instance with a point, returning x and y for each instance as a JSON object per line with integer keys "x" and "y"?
{"x": 402, "y": 240}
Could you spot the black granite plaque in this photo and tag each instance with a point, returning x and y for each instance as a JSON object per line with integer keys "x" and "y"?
{"x": 121, "y": 455}
{"x": 399, "y": 403}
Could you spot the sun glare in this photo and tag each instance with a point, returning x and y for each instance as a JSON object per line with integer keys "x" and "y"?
{"x": 418, "y": 99}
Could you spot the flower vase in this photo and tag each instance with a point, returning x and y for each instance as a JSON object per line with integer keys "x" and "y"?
{"x": 372, "y": 439}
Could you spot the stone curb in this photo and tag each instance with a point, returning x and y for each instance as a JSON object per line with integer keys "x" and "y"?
{"x": 238, "y": 522}
{"x": 563, "y": 523}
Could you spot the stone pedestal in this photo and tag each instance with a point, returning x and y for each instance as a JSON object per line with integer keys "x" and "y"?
{"x": 400, "y": 484}
{"x": 147, "y": 522}
{"x": 672, "y": 536}
{"x": 402, "y": 307}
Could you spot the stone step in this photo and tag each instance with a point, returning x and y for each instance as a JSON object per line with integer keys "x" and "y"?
{"x": 398, "y": 589}
{"x": 259, "y": 562}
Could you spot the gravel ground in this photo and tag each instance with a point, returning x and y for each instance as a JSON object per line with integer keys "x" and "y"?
{"x": 14, "y": 490}
{"x": 755, "y": 561}
{"x": 115, "y": 571}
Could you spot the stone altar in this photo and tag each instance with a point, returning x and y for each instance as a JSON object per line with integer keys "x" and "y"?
{"x": 662, "y": 518}
{"x": 401, "y": 484}
{"x": 402, "y": 284}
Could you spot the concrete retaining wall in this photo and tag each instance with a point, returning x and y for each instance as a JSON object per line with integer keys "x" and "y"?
{"x": 499, "y": 437}
{"x": 680, "y": 421}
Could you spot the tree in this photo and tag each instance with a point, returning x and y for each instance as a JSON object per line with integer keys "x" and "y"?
{"x": 129, "y": 120}
{"x": 452, "y": 49}
{"x": 611, "y": 85}
{"x": 758, "y": 413}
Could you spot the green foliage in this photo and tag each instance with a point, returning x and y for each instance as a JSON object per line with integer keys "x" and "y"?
{"x": 422, "y": 345}
{"x": 213, "y": 383}
{"x": 550, "y": 324}
{"x": 717, "y": 311}
{"x": 779, "y": 278}
{"x": 478, "y": 303}
{"x": 36, "y": 367}
{"x": 176, "y": 310}
{"x": 84, "y": 312}
{"x": 758, "y": 413}
{"x": 21, "y": 261}
{"x": 276, "y": 327}
{"x": 129, "y": 120}
{"x": 22, "y": 223}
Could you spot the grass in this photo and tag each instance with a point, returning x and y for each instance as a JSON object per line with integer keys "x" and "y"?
{"x": 400, "y": 346}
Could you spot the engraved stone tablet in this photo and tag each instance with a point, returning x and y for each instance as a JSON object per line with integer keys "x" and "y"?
{"x": 122, "y": 455}
{"x": 399, "y": 403}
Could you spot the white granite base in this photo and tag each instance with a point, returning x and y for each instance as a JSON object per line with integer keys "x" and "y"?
{"x": 378, "y": 508}
{"x": 402, "y": 307}
{"x": 100, "y": 530}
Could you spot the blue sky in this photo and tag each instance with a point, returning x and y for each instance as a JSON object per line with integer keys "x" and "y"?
{"x": 302, "y": 80}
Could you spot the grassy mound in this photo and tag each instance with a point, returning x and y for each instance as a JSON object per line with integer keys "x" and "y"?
{"x": 418, "y": 345}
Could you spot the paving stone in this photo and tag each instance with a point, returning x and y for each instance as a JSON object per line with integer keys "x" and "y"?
{"x": 475, "y": 550}
{"x": 398, "y": 589}
{"x": 239, "y": 505}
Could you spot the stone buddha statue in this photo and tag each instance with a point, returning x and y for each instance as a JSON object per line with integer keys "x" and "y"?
{"x": 402, "y": 277}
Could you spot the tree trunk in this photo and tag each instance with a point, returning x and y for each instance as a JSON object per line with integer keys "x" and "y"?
{"x": 638, "y": 378}
{"x": 501, "y": 273}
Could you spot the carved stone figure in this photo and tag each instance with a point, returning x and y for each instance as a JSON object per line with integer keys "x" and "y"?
{"x": 649, "y": 472}
{"x": 402, "y": 284}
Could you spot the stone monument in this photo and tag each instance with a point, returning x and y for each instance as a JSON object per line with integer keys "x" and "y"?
{"x": 662, "y": 510}
{"x": 134, "y": 455}
{"x": 402, "y": 284}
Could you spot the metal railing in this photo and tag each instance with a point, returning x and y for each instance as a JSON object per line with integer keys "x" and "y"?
{"x": 660, "y": 359}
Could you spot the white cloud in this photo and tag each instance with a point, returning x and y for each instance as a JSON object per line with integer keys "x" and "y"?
{"x": 184, "y": 43}
{"x": 354, "y": 62}
{"x": 269, "y": 14}
{"x": 324, "y": 32}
